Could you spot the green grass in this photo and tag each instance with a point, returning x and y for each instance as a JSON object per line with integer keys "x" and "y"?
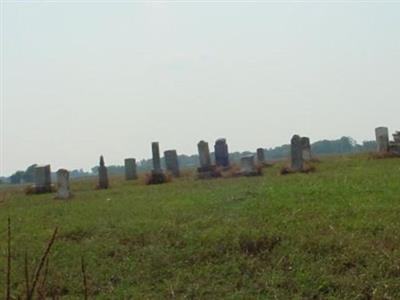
{"x": 332, "y": 234}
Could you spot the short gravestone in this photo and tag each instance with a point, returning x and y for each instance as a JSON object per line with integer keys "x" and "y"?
{"x": 157, "y": 174}
{"x": 306, "y": 148}
{"x": 221, "y": 153}
{"x": 260, "y": 155}
{"x": 130, "y": 169}
{"x": 382, "y": 139}
{"x": 42, "y": 179}
{"x": 103, "y": 175}
{"x": 206, "y": 169}
{"x": 296, "y": 154}
{"x": 248, "y": 166}
{"x": 171, "y": 162}
{"x": 394, "y": 146}
{"x": 63, "y": 190}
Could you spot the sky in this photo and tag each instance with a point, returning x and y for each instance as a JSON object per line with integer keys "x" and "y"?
{"x": 91, "y": 78}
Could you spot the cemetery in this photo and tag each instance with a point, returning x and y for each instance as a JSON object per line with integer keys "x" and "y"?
{"x": 253, "y": 232}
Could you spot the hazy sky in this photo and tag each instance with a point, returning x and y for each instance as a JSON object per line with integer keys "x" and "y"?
{"x": 84, "y": 79}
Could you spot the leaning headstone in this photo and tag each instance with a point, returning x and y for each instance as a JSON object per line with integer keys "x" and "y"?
{"x": 171, "y": 162}
{"x": 296, "y": 154}
{"x": 306, "y": 147}
{"x": 42, "y": 179}
{"x": 248, "y": 166}
{"x": 382, "y": 139}
{"x": 63, "y": 190}
{"x": 103, "y": 175}
{"x": 157, "y": 174}
{"x": 206, "y": 169}
{"x": 260, "y": 155}
{"x": 221, "y": 153}
{"x": 130, "y": 169}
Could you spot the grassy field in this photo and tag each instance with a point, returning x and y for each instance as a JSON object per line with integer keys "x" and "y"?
{"x": 332, "y": 234}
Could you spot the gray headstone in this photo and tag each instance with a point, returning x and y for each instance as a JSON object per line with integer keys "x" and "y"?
{"x": 382, "y": 139}
{"x": 296, "y": 153}
{"x": 103, "y": 175}
{"x": 396, "y": 137}
{"x": 130, "y": 169}
{"x": 221, "y": 153}
{"x": 260, "y": 155}
{"x": 42, "y": 179}
{"x": 306, "y": 146}
{"x": 63, "y": 190}
{"x": 171, "y": 162}
{"x": 156, "y": 158}
{"x": 248, "y": 166}
{"x": 204, "y": 154}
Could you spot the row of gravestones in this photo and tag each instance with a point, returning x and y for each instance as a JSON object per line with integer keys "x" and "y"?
{"x": 300, "y": 152}
{"x": 384, "y": 145}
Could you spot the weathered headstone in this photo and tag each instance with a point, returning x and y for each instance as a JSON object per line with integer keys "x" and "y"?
{"x": 103, "y": 175}
{"x": 42, "y": 179}
{"x": 171, "y": 162}
{"x": 206, "y": 169}
{"x": 260, "y": 155}
{"x": 63, "y": 190}
{"x": 204, "y": 155}
{"x": 130, "y": 169}
{"x": 396, "y": 137}
{"x": 221, "y": 153}
{"x": 394, "y": 146}
{"x": 157, "y": 174}
{"x": 248, "y": 166}
{"x": 155, "y": 148}
{"x": 306, "y": 146}
{"x": 296, "y": 154}
{"x": 382, "y": 139}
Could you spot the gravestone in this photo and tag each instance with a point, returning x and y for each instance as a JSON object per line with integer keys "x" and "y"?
{"x": 248, "y": 166}
{"x": 155, "y": 148}
{"x": 296, "y": 154}
{"x": 63, "y": 190}
{"x": 206, "y": 169}
{"x": 204, "y": 155}
{"x": 394, "y": 146}
{"x": 260, "y": 155}
{"x": 103, "y": 175}
{"x": 171, "y": 162}
{"x": 130, "y": 169}
{"x": 382, "y": 139}
{"x": 42, "y": 179}
{"x": 306, "y": 147}
{"x": 221, "y": 153}
{"x": 157, "y": 174}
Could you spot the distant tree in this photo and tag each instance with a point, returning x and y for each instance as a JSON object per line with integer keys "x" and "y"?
{"x": 16, "y": 178}
{"x": 28, "y": 174}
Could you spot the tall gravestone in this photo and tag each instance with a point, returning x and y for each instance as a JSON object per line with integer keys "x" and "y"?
{"x": 155, "y": 149}
{"x": 206, "y": 169}
{"x": 103, "y": 175}
{"x": 221, "y": 153}
{"x": 204, "y": 155}
{"x": 382, "y": 139}
{"x": 63, "y": 190}
{"x": 130, "y": 169}
{"x": 306, "y": 147}
{"x": 157, "y": 174}
{"x": 296, "y": 154}
{"x": 260, "y": 155}
{"x": 248, "y": 166}
{"x": 42, "y": 179}
{"x": 171, "y": 162}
